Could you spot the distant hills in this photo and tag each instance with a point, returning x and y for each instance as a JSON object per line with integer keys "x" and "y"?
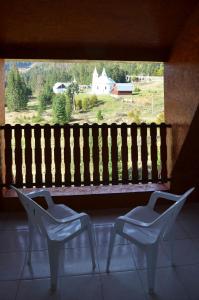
{"x": 20, "y": 65}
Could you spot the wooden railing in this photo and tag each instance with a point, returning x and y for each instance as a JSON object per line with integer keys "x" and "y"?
{"x": 45, "y": 155}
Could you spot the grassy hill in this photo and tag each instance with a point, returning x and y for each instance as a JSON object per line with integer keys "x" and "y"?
{"x": 147, "y": 104}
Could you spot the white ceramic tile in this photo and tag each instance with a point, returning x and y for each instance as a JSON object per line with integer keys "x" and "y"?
{"x": 37, "y": 289}
{"x": 39, "y": 242}
{"x": 185, "y": 252}
{"x": 79, "y": 241}
{"x": 180, "y": 233}
{"x": 167, "y": 285}
{"x": 8, "y": 290}
{"x": 39, "y": 266}
{"x": 11, "y": 265}
{"x": 189, "y": 276}
{"x": 81, "y": 287}
{"x": 122, "y": 258}
{"x": 102, "y": 235}
{"x": 76, "y": 261}
{"x": 191, "y": 226}
{"x": 140, "y": 258}
{"x": 13, "y": 240}
{"x": 122, "y": 285}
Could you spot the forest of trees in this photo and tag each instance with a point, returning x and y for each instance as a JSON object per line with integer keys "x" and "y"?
{"x": 40, "y": 78}
{"x": 45, "y": 73}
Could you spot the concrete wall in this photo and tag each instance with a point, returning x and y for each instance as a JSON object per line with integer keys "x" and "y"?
{"x": 181, "y": 104}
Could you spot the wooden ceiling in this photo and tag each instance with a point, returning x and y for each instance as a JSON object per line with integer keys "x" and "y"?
{"x": 91, "y": 29}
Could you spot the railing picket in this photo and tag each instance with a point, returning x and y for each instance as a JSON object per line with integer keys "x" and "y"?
{"x": 154, "y": 169}
{"x": 96, "y": 174}
{"x": 18, "y": 155}
{"x": 57, "y": 155}
{"x": 103, "y": 155}
{"x": 134, "y": 152}
{"x": 86, "y": 155}
{"x": 67, "y": 155}
{"x": 28, "y": 154}
{"x": 114, "y": 153}
{"x": 124, "y": 153}
{"x": 105, "y": 158}
{"x": 77, "y": 174}
{"x": 38, "y": 155}
{"x": 144, "y": 152}
{"x": 163, "y": 152}
{"x": 47, "y": 155}
{"x": 8, "y": 155}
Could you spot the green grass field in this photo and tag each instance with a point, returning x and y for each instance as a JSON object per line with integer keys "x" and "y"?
{"x": 148, "y": 104}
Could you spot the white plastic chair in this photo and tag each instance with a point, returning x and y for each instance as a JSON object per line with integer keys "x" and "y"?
{"x": 145, "y": 228}
{"x": 58, "y": 224}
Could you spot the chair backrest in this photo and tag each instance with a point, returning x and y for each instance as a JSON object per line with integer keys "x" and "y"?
{"x": 167, "y": 219}
{"x": 37, "y": 216}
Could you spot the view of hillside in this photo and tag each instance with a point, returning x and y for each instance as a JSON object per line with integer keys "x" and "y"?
{"x": 77, "y": 104}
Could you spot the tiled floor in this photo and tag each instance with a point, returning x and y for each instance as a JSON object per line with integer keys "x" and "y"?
{"x": 127, "y": 279}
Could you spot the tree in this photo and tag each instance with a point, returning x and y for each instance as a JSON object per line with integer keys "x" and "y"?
{"x": 72, "y": 89}
{"x": 85, "y": 103}
{"x": 45, "y": 96}
{"x": 59, "y": 108}
{"x": 99, "y": 116}
{"x": 118, "y": 74}
{"x": 62, "y": 109}
{"x": 17, "y": 92}
{"x": 68, "y": 109}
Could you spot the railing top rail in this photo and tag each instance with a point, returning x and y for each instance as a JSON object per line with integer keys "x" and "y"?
{"x": 88, "y": 125}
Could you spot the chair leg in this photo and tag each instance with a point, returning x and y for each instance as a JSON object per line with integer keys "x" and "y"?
{"x": 91, "y": 243}
{"x": 30, "y": 242}
{"x": 151, "y": 256}
{"x": 53, "y": 252}
{"x": 110, "y": 250}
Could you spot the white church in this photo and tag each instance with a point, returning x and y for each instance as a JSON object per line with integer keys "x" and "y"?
{"x": 102, "y": 84}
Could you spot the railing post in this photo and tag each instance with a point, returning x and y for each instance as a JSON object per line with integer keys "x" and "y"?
{"x": 144, "y": 152}
{"x": 47, "y": 155}
{"x": 8, "y": 155}
{"x": 124, "y": 152}
{"x": 67, "y": 154}
{"x": 86, "y": 154}
{"x": 114, "y": 153}
{"x": 154, "y": 156}
{"x": 77, "y": 174}
{"x": 18, "y": 155}
{"x": 163, "y": 152}
{"x": 134, "y": 152}
{"x": 95, "y": 134}
{"x": 105, "y": 154}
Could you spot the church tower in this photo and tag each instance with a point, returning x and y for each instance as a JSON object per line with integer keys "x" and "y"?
{"x": 94, "y": 81}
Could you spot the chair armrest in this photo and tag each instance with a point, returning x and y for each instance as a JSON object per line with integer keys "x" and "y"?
{"x": 42, "y": 193}
{"x": 155, "y": 195}
{"x": 127, "y": 220}
{"x": 81, "y": 216}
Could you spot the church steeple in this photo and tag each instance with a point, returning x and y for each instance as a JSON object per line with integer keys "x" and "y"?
{"x": 104, "y": 73}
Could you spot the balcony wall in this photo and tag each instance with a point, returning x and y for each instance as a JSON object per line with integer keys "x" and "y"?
{"x": 181, "y": 104}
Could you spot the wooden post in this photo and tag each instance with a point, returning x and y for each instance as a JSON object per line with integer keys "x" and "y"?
{"x": 2, "y": 120}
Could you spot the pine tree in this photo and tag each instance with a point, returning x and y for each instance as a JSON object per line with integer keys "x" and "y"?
{"x": 16, "y": 91}
{"x": 61, "y": 108}
{"x": 68, "y": 109}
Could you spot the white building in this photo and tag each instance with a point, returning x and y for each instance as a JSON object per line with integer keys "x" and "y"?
{"x": 101, "y": 84}
{"x": 60, "y": 87}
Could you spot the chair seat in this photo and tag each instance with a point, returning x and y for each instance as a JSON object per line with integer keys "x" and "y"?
{"x": 143, "y": 214}
{"x": 60, "y": 211}
{"x": 144, "y": 236}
